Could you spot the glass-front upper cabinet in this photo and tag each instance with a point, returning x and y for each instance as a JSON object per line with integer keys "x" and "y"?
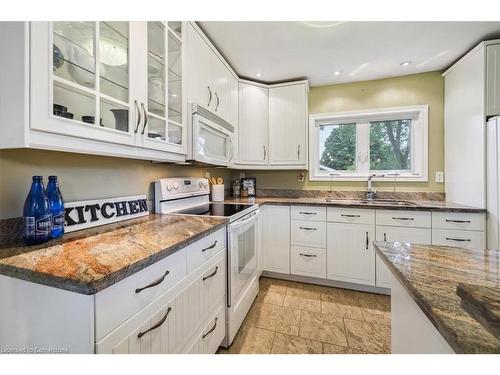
{"x": 164, "y": 85}
{"x": 112, "y": 81}
{"x": 89, "y": 79}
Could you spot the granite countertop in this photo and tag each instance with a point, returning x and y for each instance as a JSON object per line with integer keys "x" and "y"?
{"x": 431, "y": 275}
{"x": 93, "y": 259}
{"x": 418, "y": 205}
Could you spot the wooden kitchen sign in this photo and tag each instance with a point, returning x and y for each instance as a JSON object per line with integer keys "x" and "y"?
{"x": 87, "y": 214}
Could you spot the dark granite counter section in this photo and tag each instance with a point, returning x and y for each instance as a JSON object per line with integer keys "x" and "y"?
{"x": 417, "y": 205}
{"x": 431, "y": 275}
{"x": 93, "y": 259}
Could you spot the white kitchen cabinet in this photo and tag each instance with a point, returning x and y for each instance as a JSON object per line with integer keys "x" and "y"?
{"x": 493, "y": 80}
{"x": 288, "y": 124}
{"x": 472, "y": 87}
{"x": 350, "y": 254}
{"x": 211, "y": 82}
{"x": 308, "y": 261}
{"x": 276, "y": 238}
{"x": 458, "y": 238}
{"x": 399, "y": 234}
{"x": 81, "y": 87}
{"x": 253, "y": 125}
{"x": 308, "y": 233}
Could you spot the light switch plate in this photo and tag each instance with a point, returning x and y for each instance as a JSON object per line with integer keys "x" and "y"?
{"x": 440, "y": 177}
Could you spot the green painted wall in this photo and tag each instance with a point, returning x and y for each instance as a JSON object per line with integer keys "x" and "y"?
{"x": 425, "y": 88}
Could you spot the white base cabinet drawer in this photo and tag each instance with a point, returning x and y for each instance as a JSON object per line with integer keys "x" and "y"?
{"x": 402, "y": 218}
{"x": 458, "y": 220}
{"x": 213, "y": 332}
{"x": 308, "y": 233}
{"x": 119, "y": 302}
{"x": 309, "y": 213}
{"x": 204, "y": 249}
{"x": 420, "y": 236}
{"x": 308, "y": 261}
{"x": 458, "y": 238}
{"x": 350, "y": 215}
{"x": 166, "y": 324}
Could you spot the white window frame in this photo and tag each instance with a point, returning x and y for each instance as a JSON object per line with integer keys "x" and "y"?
{"x": 419, "y": 115}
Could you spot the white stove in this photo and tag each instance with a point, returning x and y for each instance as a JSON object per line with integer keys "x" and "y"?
{"x": 190, "y": 196}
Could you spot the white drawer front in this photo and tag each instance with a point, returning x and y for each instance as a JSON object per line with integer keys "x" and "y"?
{"x": 458, "y": 238}
{"x": 308, "y": 233}
{"x": 212, "y": 334}
{"x": 401, "y": 218}
{"x": 117, "y": 303}
{"x": 307, "y": 261}
{"x": 309, "y": 213}
{"x": 458, "y": 220}
{"x": 204, "y": 249}
{"x": 351, "y": 215}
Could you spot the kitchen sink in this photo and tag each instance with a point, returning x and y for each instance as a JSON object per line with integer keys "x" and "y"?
{"x": 368, "y": 202}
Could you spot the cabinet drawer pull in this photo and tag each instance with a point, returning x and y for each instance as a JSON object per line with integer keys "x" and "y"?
{"x": 385, "y": 238}
{"x": 155, "y": 283}
{"x": 265, "y": 152}
{"x": 307, "y": 213}
{"x": 367, "y": 241}
{"x": 308, "y": 255}
{"x": 138, "y": 116}
{"x": 298, "y": 152}
{"x": 458, "y": 239}
{"x": 210, "y": 247}
{"x": 457, "y": 221}
{"x": 308, "y": 228}
{"x": 349, "y": 215}
{"x": 402, "y": 218}
{"x": 209, "y": 96}
{"x": 212, "y": 274}
{"x": 211, "y": 330}
{"x": 140, "y": 334}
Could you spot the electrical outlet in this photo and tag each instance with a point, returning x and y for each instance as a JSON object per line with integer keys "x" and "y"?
{"x": 207, "y": 175}
{"x": 300, "y": 176}
{"x": 440, "y": 177}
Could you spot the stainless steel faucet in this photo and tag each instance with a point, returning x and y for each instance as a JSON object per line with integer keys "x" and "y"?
{"x": 370, "y": 193}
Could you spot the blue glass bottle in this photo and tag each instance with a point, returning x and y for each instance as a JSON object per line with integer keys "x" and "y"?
{"x": 37, "y": 217}
{"x": 56, "y": 205}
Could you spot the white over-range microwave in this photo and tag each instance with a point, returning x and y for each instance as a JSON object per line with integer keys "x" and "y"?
{"x": 210, "y": 138}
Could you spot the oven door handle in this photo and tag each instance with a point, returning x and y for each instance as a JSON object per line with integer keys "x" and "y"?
{"x": 245, "y": 220}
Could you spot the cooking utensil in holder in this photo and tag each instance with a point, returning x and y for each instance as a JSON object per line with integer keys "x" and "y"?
{"x": 218, "y": 193}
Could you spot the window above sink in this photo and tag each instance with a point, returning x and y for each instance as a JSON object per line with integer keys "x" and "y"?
{"x": 391, "y": 142}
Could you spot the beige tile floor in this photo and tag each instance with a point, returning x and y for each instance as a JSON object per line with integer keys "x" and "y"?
{"x": 298, "y": 318}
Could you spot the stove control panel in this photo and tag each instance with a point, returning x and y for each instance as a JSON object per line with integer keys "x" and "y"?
{"x": 175, "y": 188}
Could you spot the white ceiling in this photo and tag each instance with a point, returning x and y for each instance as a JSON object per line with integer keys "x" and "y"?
{"x": 359, "y": 50}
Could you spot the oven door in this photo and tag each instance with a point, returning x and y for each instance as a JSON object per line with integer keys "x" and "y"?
{"x": 243, "y": 265}
{"x": 212, "y": 143}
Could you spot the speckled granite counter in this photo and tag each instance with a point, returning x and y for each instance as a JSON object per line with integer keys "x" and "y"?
{"x": 90, "y": 260}
{"x": 418, "y": 205}
{"x": 430, "y": 274}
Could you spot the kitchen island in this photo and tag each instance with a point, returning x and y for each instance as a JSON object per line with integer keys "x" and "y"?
{"x": 427, "y": 314}
{"x": 155, "y": 284}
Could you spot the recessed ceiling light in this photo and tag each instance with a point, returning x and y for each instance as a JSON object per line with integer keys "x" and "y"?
{"x": 405, "y": 63}
{"x": 258, "y": 75}
{"x": 337, "y": 73}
